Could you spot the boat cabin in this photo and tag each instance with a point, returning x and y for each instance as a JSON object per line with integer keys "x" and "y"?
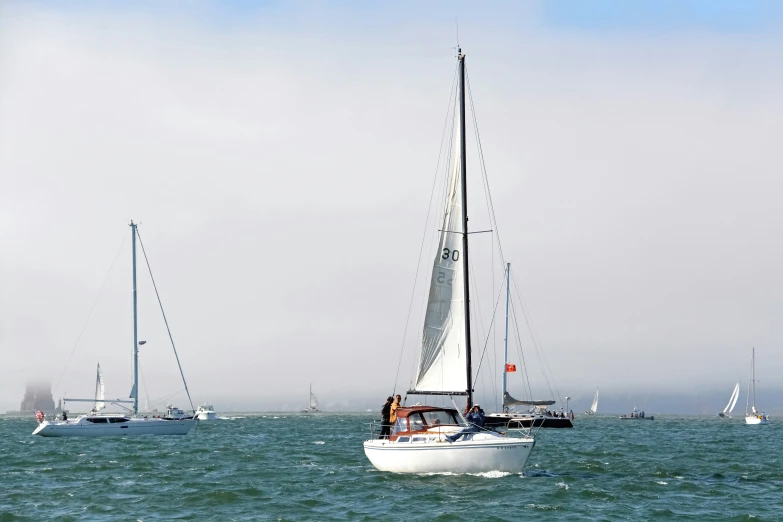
{"x": 419, "y": 419}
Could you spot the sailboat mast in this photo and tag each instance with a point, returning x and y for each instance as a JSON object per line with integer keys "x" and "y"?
{"x": 753, "y": 376}
{"x": 505, "y": 341}
{"x": 464, "y": 171}
{"x": 135, "y": 329}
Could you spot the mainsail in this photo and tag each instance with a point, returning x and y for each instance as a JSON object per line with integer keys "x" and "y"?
{"x": 732, "y": 401}
{"x": 313, "y": 400}
{"x": 100, "y": 392}
{"x": 443, "y": 347}
{"x": 594, "y": 406}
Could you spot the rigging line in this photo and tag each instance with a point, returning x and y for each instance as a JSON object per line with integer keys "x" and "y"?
{"x": 426, "y": 225}
{"x": 149, "y": 268}
{"x": 522, "y": 355}
{"x": 487, "y": 191}
{"x": 534, "y": 336}
{"x": 481, "y": 359}
{"x": 92, "y": 309}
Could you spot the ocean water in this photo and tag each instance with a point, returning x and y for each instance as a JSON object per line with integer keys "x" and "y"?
{"x": 312, "y": 467}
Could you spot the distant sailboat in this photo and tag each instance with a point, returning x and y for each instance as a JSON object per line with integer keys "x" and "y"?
{"x": 754, "y": 417}
{"x": 313, "y": 407}
{"x": 732, "y": 402}
{"x": 100, "y": 392}
{"x": 118, "y": 424}
{"x": 593, "y": 407}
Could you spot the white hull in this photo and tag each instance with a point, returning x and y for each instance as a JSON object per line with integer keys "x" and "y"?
{"x": 752, "y": 419}
{"x": 132, "y": 427}
{"x": 481, "y": 454}
{"x": 207, "y": 415}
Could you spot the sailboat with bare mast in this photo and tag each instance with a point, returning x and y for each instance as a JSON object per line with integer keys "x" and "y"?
{"x": 95, "y": 424}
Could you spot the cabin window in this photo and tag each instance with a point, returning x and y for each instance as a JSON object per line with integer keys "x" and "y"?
{"x": 403, "y": 439}
{"x": 434, "y": 418}
{"x": 419, "y": 439}
{"x": 400, "y": 424}
{"x": 416, "y": 422}
{"x": 118, "y": 419}
{"x": 97, "y": 420}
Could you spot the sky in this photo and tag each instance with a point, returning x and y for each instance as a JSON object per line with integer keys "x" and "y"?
{"x": 280, "y": 156}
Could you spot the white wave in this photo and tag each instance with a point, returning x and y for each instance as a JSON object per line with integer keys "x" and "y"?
{"x": 562, "y": 485}
{"x": 661, "y": 482}
{"x": 319, "y": 442}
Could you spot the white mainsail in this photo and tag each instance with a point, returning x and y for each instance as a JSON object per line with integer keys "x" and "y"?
{"x": 313, "y": 400}
{"x": 443, "y": 347}
{"x": 100, "y": 391}
{"x": 594, "y": 406}
{"x": 732, "y": 400}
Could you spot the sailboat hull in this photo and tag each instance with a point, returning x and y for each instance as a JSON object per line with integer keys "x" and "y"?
{"x": 756, "y": 419}
{"x": 473, "y": 456}
{"x": 84, "y": 428}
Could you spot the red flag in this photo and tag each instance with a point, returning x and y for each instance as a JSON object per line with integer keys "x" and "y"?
{"x": 511, "y": 368}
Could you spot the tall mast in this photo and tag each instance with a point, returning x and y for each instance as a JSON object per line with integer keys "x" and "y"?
{"x": 505, "y": 341}
{"x": 464, "y": 171}
{"x": 135, "y": 329}
{"x": 753, "y": 376}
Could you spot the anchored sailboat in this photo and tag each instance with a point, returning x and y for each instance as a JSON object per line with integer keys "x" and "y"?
{"x": 313, "y": 407}
{"x": 732, "y": 402}
{"x": 95, "y": 424}
{"x": 537, "y": 415}
{"x": 753, "y": 416}
{"x": 427, "y": 439}
{"x": 593, "y": 407}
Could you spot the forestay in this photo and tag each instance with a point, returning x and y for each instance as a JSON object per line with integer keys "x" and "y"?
{"x": 442, "y": 365}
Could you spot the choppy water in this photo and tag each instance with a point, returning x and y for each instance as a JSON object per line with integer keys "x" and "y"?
{"x": 298, "y": 467}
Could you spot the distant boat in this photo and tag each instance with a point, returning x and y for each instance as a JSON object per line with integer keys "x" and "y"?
{"x": 637, "y": 415}
{"x": 206, "y": 412}
{"x": 94, "y": 424}
{"x": 732, "y": 402}
{"x": 100, "y": 392}
{"x": 593, "y": 407}
{"x": 313, "y": 407}
{"x": 537, "y": 414}
{"x": 754, "y": 417}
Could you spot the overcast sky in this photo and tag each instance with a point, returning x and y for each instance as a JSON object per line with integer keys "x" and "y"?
{"x": 280, "y": 158}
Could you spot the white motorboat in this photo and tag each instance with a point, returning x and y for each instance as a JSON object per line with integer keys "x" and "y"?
{"x": 636, "y": 414}
{"x": 593, "y": 407}
{"x": 753, "y": 416}
{"x": 732, "y": 402}
{"x": 427, "y": 439}
{"x": 206, "y": 412}
{"x": 313, "y": 405}
{"x": 176, "y": 422}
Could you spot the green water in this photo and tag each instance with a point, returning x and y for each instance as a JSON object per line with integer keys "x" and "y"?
{"x": 299, "y": 467}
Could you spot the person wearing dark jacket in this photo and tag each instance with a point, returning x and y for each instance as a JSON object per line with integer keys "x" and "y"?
{"x": 385, "y": 418}
{"x": 476, "y": 418}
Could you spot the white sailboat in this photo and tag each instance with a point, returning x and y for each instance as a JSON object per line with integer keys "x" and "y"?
{"x": 313, "y": 407}
{"x": 100, "y": 392}
{"x": 95, "y": 424}
{"x": 427, "y": 439}
{"x": 753, "y": 416}
{"x": 732, "y": 402}
{"x": 593, "y": 407}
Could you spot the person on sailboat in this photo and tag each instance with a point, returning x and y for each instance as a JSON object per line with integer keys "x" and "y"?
{"x": 386, "y": 418}
{"x": 65, "y": 416}
{"x": 393, "y": 413}
{"x": 476, "y": 418}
